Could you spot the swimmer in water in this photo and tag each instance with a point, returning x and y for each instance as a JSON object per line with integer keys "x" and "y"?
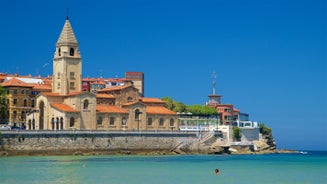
{"x": 217, "y": 171}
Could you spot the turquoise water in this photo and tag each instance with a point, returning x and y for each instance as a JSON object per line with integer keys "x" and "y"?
{"x": 276, "y": 168}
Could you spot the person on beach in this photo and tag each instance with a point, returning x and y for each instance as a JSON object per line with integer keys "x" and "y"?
{"x": 217, "y": 171}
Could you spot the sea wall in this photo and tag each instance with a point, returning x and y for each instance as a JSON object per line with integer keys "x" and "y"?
{"x": 61, "y": 142}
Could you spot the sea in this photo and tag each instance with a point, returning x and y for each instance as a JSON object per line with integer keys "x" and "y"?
{"x": 307, "y": 167}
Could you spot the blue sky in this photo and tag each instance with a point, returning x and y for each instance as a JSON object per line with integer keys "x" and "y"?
{"x": 269, "y": 56}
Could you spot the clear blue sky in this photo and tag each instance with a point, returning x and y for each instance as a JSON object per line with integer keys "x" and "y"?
{"x": 270, "y": 56}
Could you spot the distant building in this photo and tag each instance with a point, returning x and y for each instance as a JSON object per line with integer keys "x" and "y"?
{"x": 21, "y": 97}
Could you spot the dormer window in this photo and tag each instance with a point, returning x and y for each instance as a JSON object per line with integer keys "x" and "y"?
{"x": 71, "y": 52}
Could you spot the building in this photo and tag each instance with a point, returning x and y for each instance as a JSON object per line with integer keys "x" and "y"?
{"x": 71, "y": 105}
{"x": 21, "y": 96}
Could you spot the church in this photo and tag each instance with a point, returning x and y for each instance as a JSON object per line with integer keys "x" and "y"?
{"x": 68, "y": 107}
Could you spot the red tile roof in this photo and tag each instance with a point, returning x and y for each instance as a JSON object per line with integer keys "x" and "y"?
{"x": 50, "y": 94}
{"x": 115, "y": 88}
{"x": 14, "y": 82}
{"x": 42, "y": 87}
{"x": 151, "y": 100}
{"x": 159, "y": 110}
{"x": 110, "y": 109}
{"x": 63, "y": 107}
{"x": 105, "y": 96}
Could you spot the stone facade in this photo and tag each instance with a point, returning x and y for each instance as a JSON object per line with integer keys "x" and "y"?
{"x": 68, "y": 107}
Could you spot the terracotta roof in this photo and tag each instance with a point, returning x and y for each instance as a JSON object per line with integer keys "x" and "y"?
{"x": 236, "y": 110}
{"x": 115, "y": 88}
{"x": 159, "y": 110}
{"x": 105, "y": 96}
{"x": 110, "y": 109}
{"x": 131, "y": 103}
{"x": 42, "y": 87}
{"x": 151, "y": 100}
{"x": 63, "y": 107}
{"x": 15, "y": 82}
{"x": 50, "y": 94}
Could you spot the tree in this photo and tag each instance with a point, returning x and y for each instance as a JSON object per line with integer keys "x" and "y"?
{"x": 237, "y": 133}
{"x": 267, "y": 134}
{"x": 201, "y": 110}
{"x": 169, "y": 102}
{"x": 3, "y": 105}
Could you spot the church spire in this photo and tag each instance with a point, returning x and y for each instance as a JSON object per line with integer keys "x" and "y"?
{"x": 67, "y": 36}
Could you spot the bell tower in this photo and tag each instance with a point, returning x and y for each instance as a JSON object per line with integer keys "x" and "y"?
{"x": 67, "y": 63}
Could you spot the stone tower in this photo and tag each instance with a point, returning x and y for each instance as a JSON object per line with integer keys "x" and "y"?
{"x": 67, "y": 63}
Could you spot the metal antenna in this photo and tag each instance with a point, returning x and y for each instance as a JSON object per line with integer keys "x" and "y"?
{"x": 214, "y": 76}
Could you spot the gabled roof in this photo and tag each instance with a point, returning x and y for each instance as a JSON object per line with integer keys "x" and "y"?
{"x": 63, "y": 107}
{"x": 110, "y": 109}
{"x": 67, "y": 35}
{"x": 50, "y": 94}
{"x": 42, "y": 87}
{"x": 105, "y": 96}
{"x": 132, "y": 103}
{"x": 14, "y": 82}
{"x": 116, "y": 88}
{"x": 159, "y": 110}
{"x": 151, "y": 100}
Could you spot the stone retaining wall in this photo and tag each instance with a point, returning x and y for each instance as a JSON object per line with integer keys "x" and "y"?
{"x": 72, "y": 142}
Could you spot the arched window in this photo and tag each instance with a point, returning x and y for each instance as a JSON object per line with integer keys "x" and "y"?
{"x": 86, "y": 104}
{"x": 171, "y": 123}
{"x": 137, "y": 114}
{"x": 32, "y": 103}
{"x": 53, "y": 123}
{"x": 72, "y": 122}
{"x": 59, "y": 51}
{"x": 23, "y": 116}
{"x": 149, "y": 121}
{"x": 71, "y": 52}
{"x": 161, "y": 122}
{"x": 61, "y": 123}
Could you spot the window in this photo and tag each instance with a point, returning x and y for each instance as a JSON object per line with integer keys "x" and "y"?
{"x": 59, "y": 51}
{"x": 161, "y": 122}
{"x": 112, "y": 121}
{"x": 58, "y": 77}
{"x": 32, "y": 103}
{"x": 99, "y": 121}
{"x": 72, "y": 85}
{"x": 22, "y": 91}
{"x": 71, "y": 122}
{"x": 86, "y": 104}
{"x": 72, "y": 75}
{"x": 149, "y": 121}
{"x": 14, "y": 114}
{"x": 15, "y": 101}
{"x": 58, "y": 86}
{"x": 137, "y": 114}
{"x": 23, "y": 116}
{"x": 123, "y": 121}
{"x": 25, "y": 103}
{"x": 15, "y": 91}
{"x": 71, "y": 52}
{"x": 171, "y": 123}
{"x": 129, "y": 99}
